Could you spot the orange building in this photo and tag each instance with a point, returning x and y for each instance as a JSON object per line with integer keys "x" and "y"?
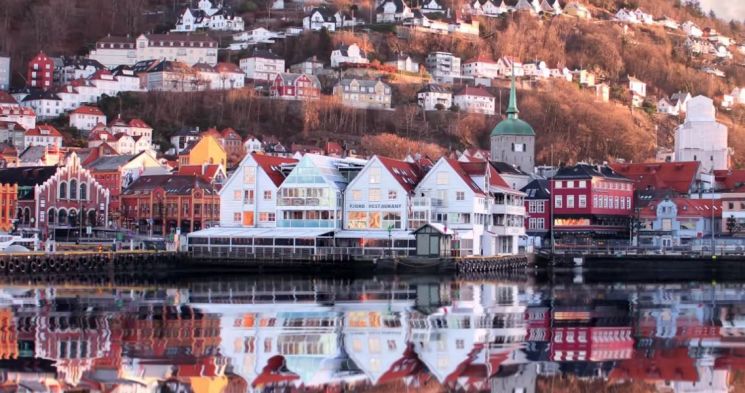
{"x": 8, "y": 202}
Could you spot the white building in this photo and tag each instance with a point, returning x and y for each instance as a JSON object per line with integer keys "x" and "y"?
{"x": 4, "y": 73}
{"x": 325, "y": 18}
{"x": 738, "y": 95}
{"x": 249, "y": 198}
{"x": 536, "y": 69}
{"x": 665, "y": 106}
{"x": 364, "y": 93}
{"x": 378, "y": 200}
{"x": 433, "y": 6}
{"x": 348, "y": 54}
{"x": 507, "y": 64}
{"x": 491, "y": 7}
{"x": 481, "y": 66}
{"x": 311, "y": 66}
{"x": 443, "y": 66}
{"x": 701, "y": 138}
{"x": 86, "y": 118}
{"x": 253, "y": 144}
{"x": 404, "y": 63}
{"x": 312, "y": 195}
{"x": 474, "y": 100}
{"x": 434, "y": 97}
{"x": 208, "y": 17}
{"x": 183, "y": 47}
{"x": 691, "y": 29}
{"x": 262, "y": 64}
{"x": 45, "y": 103}
{"x": 390, "y": 11}
{"x": 626, "y": 16}
{"x": 43, "y": 135}
{"x": 255, "y": 36}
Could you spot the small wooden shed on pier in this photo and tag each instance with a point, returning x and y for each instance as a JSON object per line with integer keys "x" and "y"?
{"x": 433, "y": 240}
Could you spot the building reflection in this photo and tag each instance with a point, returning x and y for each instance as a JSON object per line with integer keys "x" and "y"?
{"x": 326, "y": 335}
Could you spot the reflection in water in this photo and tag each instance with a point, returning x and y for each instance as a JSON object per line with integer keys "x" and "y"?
{"x": 393, "y": 335}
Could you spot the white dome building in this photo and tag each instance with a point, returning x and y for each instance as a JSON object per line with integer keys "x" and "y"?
{"x": 700, "y": 138}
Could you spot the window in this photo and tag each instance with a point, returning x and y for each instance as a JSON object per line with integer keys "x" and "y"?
{"x": 442, "y": 178}
{"x": 249, "y": 175}
{"x": 63, "y": 190}
{"x": 268, "y": 195}
{"x": 392, "y": 220}
{"x": 356, "y": 195}
{"x": 267, "y": 217}
{"x": 83, "y": 192}
{"x": 374, "y": 176}
{"x": 582, "y": 183}
{"x": 558, "y": 201}
{"x": 237, "y": 195}
{"x": 570, "y": 201}
{"x": 373, "y": 195}
{"x": 460, "y": 196}
{"x": 237, "y": 217}
{"x": 357, "y": 220}
{"x": 392, "y": 195}
{"x": 628, "y": 202}
{"x": 583, "y": 201}
{"x": 558, "y": 184}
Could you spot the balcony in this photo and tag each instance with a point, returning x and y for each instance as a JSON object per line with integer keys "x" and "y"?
{"x": 501, "y": 230}
{"x": 300, "y": 202}
{"x": 515, "y": 210}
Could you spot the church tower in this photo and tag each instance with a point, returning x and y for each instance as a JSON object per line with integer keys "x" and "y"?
{"x": 701, "y": 138}
{"x": 513, "y": 140}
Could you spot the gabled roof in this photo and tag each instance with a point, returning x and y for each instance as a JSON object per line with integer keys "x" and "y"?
{"x": 100, "y": 134}
{"x": 7, "y": 99}
{"x": 44, "y": 130}
{"x": 400, "y": 5}
{"x": 537, "y": 189}
{"x": 406, "y": 174}
{"x": 110, "y": 163}
{"x": 481, "y": 58}
{"x": 507, "y": 169}
{"x": 41, "y": 95}
{"x": 464, "y": 174}
{"x": 208, "y": 172}
{"x": 138, "y": 123}
{"x": 227, "y": 68}
{"x": 87, "y": 110}
{"x": 733, "y": 179}
{"x": 326, "y": 13}
{"x": 229, "y": 133}
{"x": 271, "y": 166}
{"x": 676, "y": 176}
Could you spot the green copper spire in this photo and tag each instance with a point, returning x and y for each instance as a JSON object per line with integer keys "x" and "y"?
{"x": 512, "y": 110}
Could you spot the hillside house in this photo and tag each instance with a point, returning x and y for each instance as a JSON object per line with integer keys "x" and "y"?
{"x": 390, "y": 11}
{"x": 551, "y": 8}
{"x": 295, "y": 87}
{"x": 208, "y": 17}
{"x": 506, "y": 65}
{"x": 577, "y": 10}
{"x": 348, "y": 54}
{"x": 481, "y": 66}
{"x": 404, "y": 63}
{"x": 433, "y": 6}
{"x": 188, "y": 48}
{"x": 474, "y": 100}
{"x": 433, "y": 97}
{"x": 262, "y": 64}
{"x": 311, "y": 66}
{"x": 85, "y": 118}
{"x": 326, "y": 18}
{"x": 665, "y": 106}
{"x": 691, "y": 29}
{"x": 362, "y": 93}
{"x": 443, "y": 66}
{"x": 43, "y": 135}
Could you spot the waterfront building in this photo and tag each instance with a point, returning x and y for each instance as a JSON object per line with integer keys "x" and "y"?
{"x": 675, "y": 222}
{"x": 538, "y": 217}
{"x": 167, "y": 204}
{"x": 512, "y": 139}
{"x": 117, "y": 172}
{"x": 701, "y": 138}
{"x": 591, "y": 202}
{"x": 655, "y": 178}
{"x": 61, "y": 200}
{"x": 249, "y": 197}
{"x": 311, "y": 196}
{"x": 486, "y": 215}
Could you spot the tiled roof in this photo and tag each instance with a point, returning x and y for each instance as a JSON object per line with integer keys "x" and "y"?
{"x": 229, "y": 133}
{"x": 228, "y": 68}
{"x": 694, "y": 208}
{"x": 586, "y": 171}
{"x": 188, "y": 38}
{"x": 138, "y": 123}
{"x": 507, "y": 169}
{"x": 100, "y": 134}
{"x": 407, "y": 174}
{"x": 465, "y": 176}
{"x": 87, "y": 110}
{"x": 271, "y": 166}
{"x": 481, "y": 58}
{"x": 208, "y": 172}
{"x": 733, "y": 179}
{"x": 41, "y": 95}
{"x": 172, "y": 184}
{"x": 677, "y": 176}
{"x": 473, "y": 91}
{"x": 44, "y": 130}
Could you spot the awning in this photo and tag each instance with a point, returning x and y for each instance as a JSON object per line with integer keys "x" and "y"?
{"x": 277, "y": 233}
{"x": 374, "y": 234}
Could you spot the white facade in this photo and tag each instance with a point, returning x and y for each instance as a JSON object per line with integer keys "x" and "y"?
{"x": 701, "y": 138}
{"x": 4, "y": 73}
{"x": 86, "y": 121}
{"x": 210, "y": 18}
{"x": 473, "y": 101}
{"x": 249, "y": 198}
{"x": 637, "y": 87}
{"x": 348, "y": 54}
{"x": 481, "y": 68}
{"x": 691, "y": 29}
{"x": 443, "y": 66}
{"x": 262, "y": 67}
{"x": 185, "y": 48}
{"x": 393, "y": 11}
{"x": 404, "y": 63}
{"x": 430, "y": 99}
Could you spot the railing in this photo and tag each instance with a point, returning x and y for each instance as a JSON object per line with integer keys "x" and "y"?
{"x": 295, "y": 253}
{"x": 427, "y": 202}
{"x": 291, "y": 223}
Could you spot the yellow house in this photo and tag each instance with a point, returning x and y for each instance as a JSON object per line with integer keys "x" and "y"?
{"x": 204, "y": 151}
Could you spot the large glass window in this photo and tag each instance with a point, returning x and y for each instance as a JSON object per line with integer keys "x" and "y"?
{"x": 357, "y": 220}
{"x": 374, "y": 221}
{"x": 392, "y": 220}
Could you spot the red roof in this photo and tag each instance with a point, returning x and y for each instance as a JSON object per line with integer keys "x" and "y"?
{"x": 677, "y": 176}
{"x": 211, "y": 132}
{"x": 333, "y": 148}
{"x": 464, "y": 173}
{"x": 406, "y": 174}
{"x": 43, "y": 130}
{"x": 100, "y": 134}
{"x": 230, "y": 133}
{"x": 18, "y": 110}
{"x": 732, "y": 180}
{"x": 119, "y": 136}
{"x": 495, "y": 179}
{"x": 208, "y": 172}
{"x": 88, "y": 110}
{"x": 271, "y": 166}
{"x": 138, "y": 123}
{"x": 474, "y": 91}
{"x": 6, "y": 98}
{"x": 11, "y": 125}
{"x": 693, "y": 208}
{"x": 227, "y": 67}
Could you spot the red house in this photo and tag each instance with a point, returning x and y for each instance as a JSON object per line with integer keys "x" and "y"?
{"x": 295, "y": 87}
{"x": 590, "y": 203}
{"x": 40, "y": 72}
